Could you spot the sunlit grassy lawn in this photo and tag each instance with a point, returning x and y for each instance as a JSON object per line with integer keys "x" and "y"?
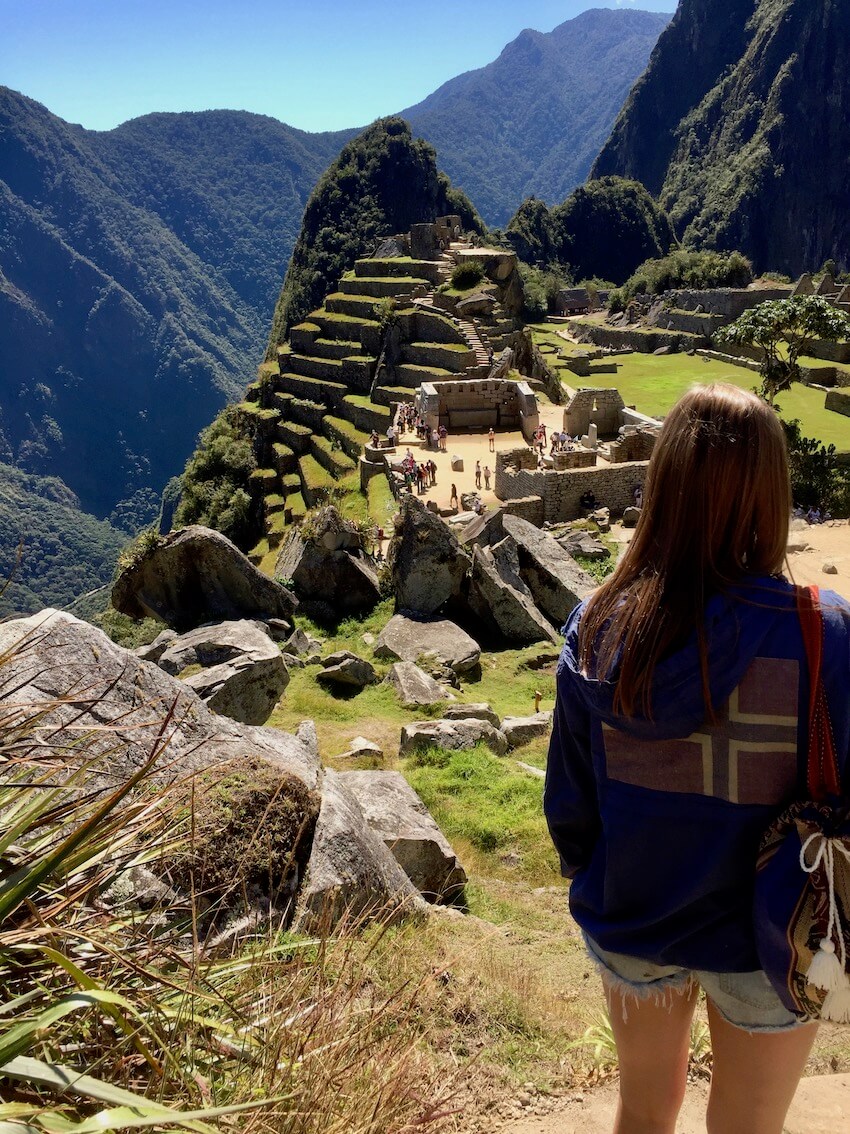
{"x": 653, "y": 383}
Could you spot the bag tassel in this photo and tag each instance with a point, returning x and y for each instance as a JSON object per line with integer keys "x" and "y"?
{"x": 826, "y": 970}
{"x": 836, "y": 1006}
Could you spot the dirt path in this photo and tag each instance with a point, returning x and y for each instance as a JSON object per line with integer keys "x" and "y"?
{"x": 821, "y": 1106}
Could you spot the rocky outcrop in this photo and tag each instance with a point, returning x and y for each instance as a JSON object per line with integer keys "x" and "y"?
{"x": 350, "y": 873}
{"x": 270, "y": 825}
{"x": 497, "y": 594}
{"x": 478, "y": 710}
{"x": 427, "y": 564}
{"x": 242, "y": 674}
{"x": 397, "y": 815}
{"x": 414, "y": 686}
{"x": 407, "y": 638}
{"x": 92, "y": 683}
{"x": 331, "y": 575}
{"x": 195, "y": 576}
{"x": 586, "y": 543}
{"x": 452, "y": 734}
{"x": 555, "y": 580}
{"x": 520, "y": 730}
{"x": 345, "y": 668}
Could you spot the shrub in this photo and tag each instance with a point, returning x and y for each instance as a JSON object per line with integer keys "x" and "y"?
{"x": 467, "y": 274}
{"x": 683, "y": 269}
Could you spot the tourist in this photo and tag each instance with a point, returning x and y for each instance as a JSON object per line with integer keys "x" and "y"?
{"x": 390, "y": 436}
{"x": 477, "y": 474}
{"x": 491, "y": 437}
{"x": 374, "y": 439}
{"x": 444, "y": 433}
{"x": 432, "y": 470}
{"x": 588, "y": 502}
{"x": 687, "y": 639}
{"x": 435, "y": 439}
{"x": 637, "y": 496}
{"x": 486, "y": 477}
{"x": 379, "y": 542}
{"x": 453, "y": 500}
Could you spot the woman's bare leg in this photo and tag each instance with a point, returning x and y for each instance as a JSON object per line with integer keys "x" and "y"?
{"x": 652, "y": 1049}
{"x": 755, "y": 1076}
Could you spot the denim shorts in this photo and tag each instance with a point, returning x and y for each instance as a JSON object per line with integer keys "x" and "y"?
{"x": 746, "y": 1000}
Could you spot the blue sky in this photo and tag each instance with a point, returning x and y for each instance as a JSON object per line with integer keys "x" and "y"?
{"x": 322, "y": 65}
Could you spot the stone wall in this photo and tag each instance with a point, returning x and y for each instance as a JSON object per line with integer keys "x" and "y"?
{"x": 561, "y": 492}
{"x": 478, "y": 404}
{"x": 838, "y": 401}
{"x": 601, "y": 407}
{"x": 527, "y": 508}
{"x": 442, "y": 356}
{"x": 690, "y": 321}
{"x": 574, "y": 459}
{"x": 828, "y": 351}
{"x": 635, "y": 445}
{"x": 729, "y": 302}
{"x": 631, "y": 339}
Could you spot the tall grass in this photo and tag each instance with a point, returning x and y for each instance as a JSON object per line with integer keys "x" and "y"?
{"x": 115, "y": 1017}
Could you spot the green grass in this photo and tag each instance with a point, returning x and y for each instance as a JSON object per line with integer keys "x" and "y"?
{"x": 485, "y": 801}
{"x": 653, "y": 383}
{"x": 381, "y": 502}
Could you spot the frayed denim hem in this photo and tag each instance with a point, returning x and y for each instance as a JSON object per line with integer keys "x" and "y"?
{"x": 760, "y": 1029}
{"x": 660, "y": 991}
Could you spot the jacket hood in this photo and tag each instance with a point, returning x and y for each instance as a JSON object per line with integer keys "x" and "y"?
{"x": 736, "y": 624}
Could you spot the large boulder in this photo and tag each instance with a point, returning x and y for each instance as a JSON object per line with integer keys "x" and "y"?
{"x": 497, "y": 594}
{"x": 89, "y": 683}
{"x": 345, "y": 668}
{"x": 477, "y": 710}
{"x": 396, "y": 813}
{"x": 520, "y": 730}
{"x": 195, "y": 576}
{"x": 242, "y": 673}
{"x": 407, "y": 638}
{"x": 330, "y": 574}
{"x": 427, "y": 564}
{"x": 554, "y": 578}
{"x": 451, "y": 734}
{"x": 350, "y": 873}
{"x": 584, "y": 543}
{"x": 415, "y": 687}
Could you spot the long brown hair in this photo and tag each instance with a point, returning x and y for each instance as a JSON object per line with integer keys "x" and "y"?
{"x": 715, "y": 511}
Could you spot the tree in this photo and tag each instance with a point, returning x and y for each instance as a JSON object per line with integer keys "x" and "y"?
{"x": 782, "y": 328}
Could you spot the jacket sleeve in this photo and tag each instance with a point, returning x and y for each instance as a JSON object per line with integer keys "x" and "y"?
{"x": 570, "y": 800}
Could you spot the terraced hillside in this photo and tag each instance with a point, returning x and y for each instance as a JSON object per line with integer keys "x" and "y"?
{"x": 344, "y": 372}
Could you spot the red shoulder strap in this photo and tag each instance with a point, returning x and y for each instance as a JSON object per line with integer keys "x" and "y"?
{"x": 822, "y": 771}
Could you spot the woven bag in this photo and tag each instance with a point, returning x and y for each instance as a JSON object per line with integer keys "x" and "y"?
{"x": 802, "y": 893}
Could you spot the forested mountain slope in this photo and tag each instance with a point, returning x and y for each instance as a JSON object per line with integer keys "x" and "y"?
{"x": 138, "y": 269}
{"x": 740, "y": 124}
{"x": 532, "y": 121}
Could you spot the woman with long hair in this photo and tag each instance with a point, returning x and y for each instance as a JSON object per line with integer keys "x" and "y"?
{"x": 679, "y": 735}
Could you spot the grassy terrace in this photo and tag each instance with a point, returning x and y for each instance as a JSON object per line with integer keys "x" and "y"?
{"x": 653, "y": 383}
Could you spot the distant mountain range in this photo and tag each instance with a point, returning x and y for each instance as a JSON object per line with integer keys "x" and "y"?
{"x": 532, "y": 122}
{"x": 740, "y": 125}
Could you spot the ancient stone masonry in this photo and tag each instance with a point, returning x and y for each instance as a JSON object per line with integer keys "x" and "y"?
{"x": 561, "y": 493}
{"x": 479, "y": 404}
{"x": 600, "y": 407}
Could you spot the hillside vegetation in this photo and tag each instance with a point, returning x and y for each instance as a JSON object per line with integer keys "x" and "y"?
{"x": 605, "y": 229}
{"x": 383, "y": 182}
{"x": 50, "y": 552}
{"x": 739, "y": 125}
{"x": 137, "y": 271}
{"x": 533, "y": 120}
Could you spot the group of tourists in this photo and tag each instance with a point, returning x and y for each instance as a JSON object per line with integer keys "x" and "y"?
{"x": 485, "y": 472}
{"x": 421, "y": 474}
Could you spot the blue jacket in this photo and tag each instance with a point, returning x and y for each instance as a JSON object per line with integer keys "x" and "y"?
{"x": 658, "y": 822}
